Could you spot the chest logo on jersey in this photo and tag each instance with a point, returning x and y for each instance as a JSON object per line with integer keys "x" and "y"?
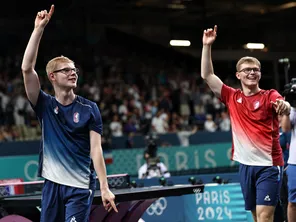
{"x": 239, "y": 100}
{"x": 76, "y": 117}
{"x": 256, "y": 105}
{"x": 56, "y": 110}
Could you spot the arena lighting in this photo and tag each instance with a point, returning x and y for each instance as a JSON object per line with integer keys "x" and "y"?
{"x": 180, "y": 43}
{"x": 254, "y": 46}
{"x": 284, "y": 60}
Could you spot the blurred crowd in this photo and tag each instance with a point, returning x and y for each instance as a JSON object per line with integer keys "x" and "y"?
{"x": 136, "y": 94}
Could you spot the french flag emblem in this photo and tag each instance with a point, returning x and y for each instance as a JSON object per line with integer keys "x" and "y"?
{"x": 76, "y": 117}
{"x": 256, "y": 105}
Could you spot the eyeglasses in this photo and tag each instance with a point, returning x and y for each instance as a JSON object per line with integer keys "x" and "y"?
{"x": 67, "y": 71}
{"x": 249, "y": 70}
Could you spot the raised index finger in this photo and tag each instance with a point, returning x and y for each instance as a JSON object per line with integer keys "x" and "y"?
{"x": 51, "y": 11}
{"x": 215, "y": 28}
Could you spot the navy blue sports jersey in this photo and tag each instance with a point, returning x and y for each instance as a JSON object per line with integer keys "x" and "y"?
{"x": 65, "y": 145}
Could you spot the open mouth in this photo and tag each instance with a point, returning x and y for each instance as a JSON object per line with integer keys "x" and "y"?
{"x": 252, "y": 78}
{"x": 72, "y": 79}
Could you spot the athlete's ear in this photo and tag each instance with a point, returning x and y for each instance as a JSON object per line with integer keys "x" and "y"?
{"x": 51, "y": 76}
{"x": 237, "y": 75}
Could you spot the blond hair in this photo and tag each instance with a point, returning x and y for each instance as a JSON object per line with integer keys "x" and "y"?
{"x": 247, "y": 59}
{"x": 53, "y": 63}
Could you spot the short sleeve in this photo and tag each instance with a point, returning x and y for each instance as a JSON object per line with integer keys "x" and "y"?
{"x": 40, "y": 104}
{"x": 226, "y": 94}
{"x": 96, "y": 123}
{"x": 274, "y": 95}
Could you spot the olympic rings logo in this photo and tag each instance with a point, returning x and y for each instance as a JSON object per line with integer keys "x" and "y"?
{"x": 197, "y": 190}
{"x": 158, "y": 207}
{"x": 115, "y": 181}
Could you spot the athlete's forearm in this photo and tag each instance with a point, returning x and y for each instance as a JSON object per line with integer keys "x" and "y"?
{"x": 207, "y": 71}
{"x": 31, "y": 52}
{"x": 206, "y": 62}
{"x": 286, "y": 123}
{"x": 100, "y": 167}
{"x": 287, "y": 108}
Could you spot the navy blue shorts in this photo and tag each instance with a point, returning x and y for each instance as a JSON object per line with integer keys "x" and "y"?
{"x": 291, "y": 174}
{"x": 64, "y": 203}
{"x": 260, "y": 185}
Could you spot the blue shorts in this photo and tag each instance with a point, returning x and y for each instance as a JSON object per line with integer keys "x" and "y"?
{"x": 64, "y": 203}
{"x": 291, "y": 174}
{"x": 260, "y": 185}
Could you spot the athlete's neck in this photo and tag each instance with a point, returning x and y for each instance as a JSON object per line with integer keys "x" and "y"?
{"x": 65, "y": 97}
{"x": 249, "y": 91}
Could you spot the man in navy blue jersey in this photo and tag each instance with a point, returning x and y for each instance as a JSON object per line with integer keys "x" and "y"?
{"x": 71, "y": 137}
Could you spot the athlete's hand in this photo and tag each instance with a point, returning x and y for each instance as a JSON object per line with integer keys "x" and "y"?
{"x": 108, "y": 200}
{"x": 209, "y": 36}
{"x": 281, "y": 107}
{"x": 42, "y": 17}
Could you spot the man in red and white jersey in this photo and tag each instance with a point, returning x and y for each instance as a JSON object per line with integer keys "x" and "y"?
{"x": 255, "y": 130}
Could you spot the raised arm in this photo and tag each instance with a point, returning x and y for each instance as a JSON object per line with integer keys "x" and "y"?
{"x": 207, "y": 70}
{"x": 31, "y": 80}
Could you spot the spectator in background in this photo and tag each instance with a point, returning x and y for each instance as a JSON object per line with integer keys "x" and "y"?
{"x": 7, "y": 135}
{"x": 130, "y": 127}
{"x": 123, "y": 110}
{"x": 164, "y": 101}
{"x": 217, "y": 105}
{"x": 112, "y": 75}
{"x": 184, "y": 135}
{"x": 21, "y": 105}
{"x": 184, "y": 100}
{"x": 4, "y": 100}
{"x": 176, "y": 120}
{"x": 197, "y": 102}
{"x": 224, "y": 123}
{"x": 9, "y": 111}
{"x": 159, "y": 123}
{"x": 148, "y": 110}
{"x": 209, "y": 124}
{"x": 116, "y": 127}
{"x": 154, "y": 107}
{"x": 94, "y": 91}
{"x": 113, "y": 111}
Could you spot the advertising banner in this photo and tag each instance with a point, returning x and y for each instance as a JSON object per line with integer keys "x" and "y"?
{"x": 130, "y": 160}
{"x": 216, "y": 203}
{"x": 25, "y": 167}
{"x": 175, "y": 158}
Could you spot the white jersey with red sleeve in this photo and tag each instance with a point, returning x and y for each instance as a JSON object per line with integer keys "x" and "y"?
{"x": 255, "y": 127}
